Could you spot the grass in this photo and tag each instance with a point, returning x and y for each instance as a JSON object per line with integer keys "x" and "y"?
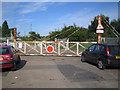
{"x": 73, "y": 46}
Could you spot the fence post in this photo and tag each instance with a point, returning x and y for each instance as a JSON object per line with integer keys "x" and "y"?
{"x": 41, "y": 48}
{"x": 35, "y": 44}
{"x": 58, "y": 48}
{"x": 7, "y": 41}
{"x": 67, "y": 44}
{"x": 77, "y": 48}
{"x": 25, "y": 47}
{"x": 55, "y": 43}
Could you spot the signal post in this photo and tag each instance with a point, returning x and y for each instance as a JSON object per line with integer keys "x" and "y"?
{"x": 100, "y": 28}
{"x": 15, "y": 35}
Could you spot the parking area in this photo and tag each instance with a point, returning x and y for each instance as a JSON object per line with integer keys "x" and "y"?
{"x": 58, "y": 72}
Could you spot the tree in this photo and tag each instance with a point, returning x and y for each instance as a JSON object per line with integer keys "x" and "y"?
{"x": 25, "y": 38}
{"x": 5, "y": 29}
{"x": 93, "y": 25}
{"x": 34, "y": 36}
{"x": 73, "y": 32}
{"x": 116, "y": 24}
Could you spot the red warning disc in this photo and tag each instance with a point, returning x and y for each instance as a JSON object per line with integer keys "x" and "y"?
{"x": 50, "y": 49}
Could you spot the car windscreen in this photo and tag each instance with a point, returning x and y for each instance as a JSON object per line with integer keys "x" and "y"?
{"x": 4, "y": 51}
{"x": 114, "y": 50}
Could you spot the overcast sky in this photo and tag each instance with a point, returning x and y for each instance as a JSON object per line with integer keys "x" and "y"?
{"x": 48, "y": 16}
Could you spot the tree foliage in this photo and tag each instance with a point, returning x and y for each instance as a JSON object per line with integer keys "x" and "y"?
{"x": 73, "y": 32}
{"x": 116, "y": 24}
{"x": 5, "y": 29}
{"x": 25, "y": 38}
{"x": 32, "y": 36}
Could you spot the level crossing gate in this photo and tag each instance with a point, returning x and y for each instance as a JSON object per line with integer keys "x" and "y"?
{"x": 51, "y": 48}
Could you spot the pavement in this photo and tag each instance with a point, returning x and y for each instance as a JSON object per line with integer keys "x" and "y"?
{"x": 58, "y": 72}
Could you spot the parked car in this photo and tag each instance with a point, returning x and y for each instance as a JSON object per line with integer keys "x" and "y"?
{"x": 8, "y": 57}
{"x": 103, "y": 55}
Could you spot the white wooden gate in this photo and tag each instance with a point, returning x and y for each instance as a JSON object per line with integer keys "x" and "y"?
{"x": 51, "y": 48}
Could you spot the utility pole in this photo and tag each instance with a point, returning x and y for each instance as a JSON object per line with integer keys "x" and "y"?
{"x": 100, "y": 28}
{"x": 15, "y": 36}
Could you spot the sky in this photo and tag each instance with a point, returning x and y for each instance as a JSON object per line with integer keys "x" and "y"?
{"x": 44, "y": 17}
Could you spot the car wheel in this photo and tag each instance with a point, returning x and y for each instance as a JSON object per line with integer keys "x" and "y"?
{"x": 82, "y": 58}
{"x": 101, "y": 65}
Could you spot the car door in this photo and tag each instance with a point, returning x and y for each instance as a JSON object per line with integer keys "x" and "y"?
{"x": 89, "y": 53}
{"x": 96, "y": 54}
{"x": 103, "y": 53}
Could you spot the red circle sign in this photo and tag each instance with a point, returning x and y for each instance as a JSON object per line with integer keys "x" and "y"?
{"x": 50, "y": 48}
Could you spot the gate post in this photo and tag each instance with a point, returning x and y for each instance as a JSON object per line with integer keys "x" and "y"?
{"x": 41, "y": 48}
{"x": 77, "y": 48}
{"x": 25, "y": 47}
{"x": 7, "y": 41}
{"x": 35, "y": 44}
{"x": 58, "y": 48}
{"x": 67, "y": 44}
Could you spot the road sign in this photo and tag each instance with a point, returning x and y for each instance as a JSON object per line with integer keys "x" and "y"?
{"x": 50, "y": 49}
{"x": 99, "y": 31}
{"x": 100, "y": 27}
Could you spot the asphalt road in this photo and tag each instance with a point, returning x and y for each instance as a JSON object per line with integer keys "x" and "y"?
{"x": 58, "y": 72}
